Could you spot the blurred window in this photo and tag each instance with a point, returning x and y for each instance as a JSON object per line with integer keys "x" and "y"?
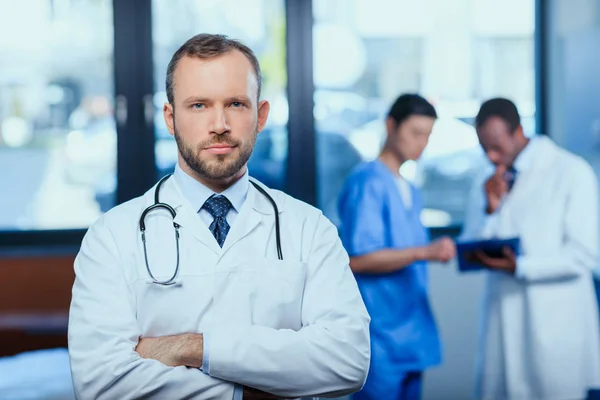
{"x": 456, "y": 53}
{"x": 574, "y": 98}
{"x": 57, "y": 131}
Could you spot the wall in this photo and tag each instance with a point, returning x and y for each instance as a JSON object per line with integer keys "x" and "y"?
{"x": 34, "y": 302}
{"x": 566, "y": 19}
{"x": 574, "y": 82}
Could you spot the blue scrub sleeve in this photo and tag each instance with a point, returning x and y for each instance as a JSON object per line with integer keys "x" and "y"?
{"x": 361, "y": 211}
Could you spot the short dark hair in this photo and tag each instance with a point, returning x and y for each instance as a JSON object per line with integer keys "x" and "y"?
{"x": 501, "y": 108}
{"x": 206, "y": 46}
{"x": 410, "y": 104}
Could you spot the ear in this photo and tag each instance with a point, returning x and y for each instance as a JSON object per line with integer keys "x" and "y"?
{"x": 519, "y": 132}
{"x": 169, "y": 116}
{"x": 390, "y": 126}
{"x": 263, "y": 113}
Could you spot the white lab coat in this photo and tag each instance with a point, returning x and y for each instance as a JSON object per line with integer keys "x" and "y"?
{"x": 295, "y": 328}
{"x": 540, "y": 337}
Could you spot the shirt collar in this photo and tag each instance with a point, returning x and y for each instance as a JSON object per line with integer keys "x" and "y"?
{"x": 525, "y": 157}
{"x": 197, "y": 194}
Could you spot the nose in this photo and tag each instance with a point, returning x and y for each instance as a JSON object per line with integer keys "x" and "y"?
{"x": 421, "y": 146}
{"x": 418, "y": 152}
{"x": 494, "y": 157}
{"x": 219, "y": 121}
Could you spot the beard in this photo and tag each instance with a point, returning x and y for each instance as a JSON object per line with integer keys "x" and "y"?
{"x": 219, "y": 166}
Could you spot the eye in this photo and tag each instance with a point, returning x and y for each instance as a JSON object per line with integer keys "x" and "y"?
{"x": 237, "y": 104}
{"x": 197, "y": 106}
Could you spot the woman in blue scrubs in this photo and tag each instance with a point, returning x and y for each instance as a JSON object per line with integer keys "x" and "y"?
{"x": 389, "y": 249}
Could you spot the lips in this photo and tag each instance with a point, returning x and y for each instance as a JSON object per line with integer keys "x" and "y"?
{"x": 220, "y": 149}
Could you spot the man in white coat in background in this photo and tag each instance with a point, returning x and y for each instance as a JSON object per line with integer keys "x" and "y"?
{"x": 187, "y": 293}
{"x": 540, "y": 337}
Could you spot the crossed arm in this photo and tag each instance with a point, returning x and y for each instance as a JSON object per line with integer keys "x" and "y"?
{"x": 186, "y": 350}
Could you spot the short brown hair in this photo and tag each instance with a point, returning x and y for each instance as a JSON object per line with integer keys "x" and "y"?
{"x": 207, "y": 46}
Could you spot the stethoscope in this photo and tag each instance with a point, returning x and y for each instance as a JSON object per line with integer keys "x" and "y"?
{"x": 157, "y": 204}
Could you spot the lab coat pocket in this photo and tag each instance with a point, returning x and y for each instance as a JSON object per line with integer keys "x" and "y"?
{"x": 263, "y": 292}
{"x": 168, "y": 310}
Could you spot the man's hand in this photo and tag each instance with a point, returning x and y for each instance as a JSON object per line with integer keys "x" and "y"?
{"x": 177, "y": 350}
{"x": 443, "y": 250}
{"x": 495, "y": 189}
{"x": 508, "y": 263}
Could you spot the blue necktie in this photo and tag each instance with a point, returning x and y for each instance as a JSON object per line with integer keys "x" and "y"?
{"x": 218, "y": 206}
{"x": 510, "y": 176}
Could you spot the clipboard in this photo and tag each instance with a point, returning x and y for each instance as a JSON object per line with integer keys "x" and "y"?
{"x": 491, "y": 247}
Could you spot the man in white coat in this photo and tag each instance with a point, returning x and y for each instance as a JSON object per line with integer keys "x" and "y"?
{"x": 540, "y": 336}
{"x": 236, "y": 320}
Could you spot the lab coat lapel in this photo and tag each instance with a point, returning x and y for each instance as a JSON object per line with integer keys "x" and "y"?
{"x": 526, "y": 184}
{"x": 187, "y": 217}
{"x": 523, "y": 186}
{"x": 256, "y": 210}
{"x": 528, "y": 180}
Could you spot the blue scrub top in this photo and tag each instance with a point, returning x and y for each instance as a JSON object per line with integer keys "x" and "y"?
{"x": 373, "y": 217}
